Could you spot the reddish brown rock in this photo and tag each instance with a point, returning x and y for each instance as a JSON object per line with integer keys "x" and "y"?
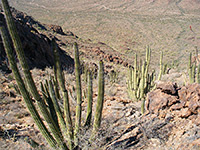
{"x": 157, "y": 100}
{"x": 185, "y": 112}
{"x": 184, "y": 105}
{"x": 191, "y": 96}
{"x": 182, "y": 94}
{"x": 167, "y": 87}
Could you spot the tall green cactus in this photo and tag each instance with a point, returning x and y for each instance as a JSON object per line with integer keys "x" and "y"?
{"x": 190, "y": 68}
{"x": 140, "y": 82}
{"x": 29, "y": 80}
{"x": 51, "y": 141}
{"x": 78, "y": 92}
{"x": 89, "y": 105}
{"x": 100, "y": 98}
{"x": 194, "y": 70}
{"x": 198, "y": 74}
{"x": 61, "y": 82}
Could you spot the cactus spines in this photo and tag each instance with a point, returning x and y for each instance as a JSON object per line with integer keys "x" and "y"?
{"x": 79, "y": 93}
{"x": 89, "y": 97}
{"x": 100, "y": 98}
{"x": 22, "y": 87}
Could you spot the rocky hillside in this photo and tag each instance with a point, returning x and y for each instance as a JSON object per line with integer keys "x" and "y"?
{"x": 37, "y": 47}
{"x": 36, "y": 39}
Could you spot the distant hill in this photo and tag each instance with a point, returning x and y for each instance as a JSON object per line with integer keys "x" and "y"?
{"x": 115, "y": 5}
{"x": 128, "y": 26}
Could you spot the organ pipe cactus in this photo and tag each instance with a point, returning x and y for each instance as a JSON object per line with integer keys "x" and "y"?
{"x": 10, "y": 54}
{"x": 29, "y": 80}
{"x": 190, "y": 69}
{"x": 198, "y": 74}
{"x": 78, "y": 92}
{"x": 140, "y": 82}
{"x": 61, "y": 82}
{"x": 194, "y": 70}
{"x": 100, "y": 98}
{"x": 89, "y": 105}
{"x": 60, "y": 125}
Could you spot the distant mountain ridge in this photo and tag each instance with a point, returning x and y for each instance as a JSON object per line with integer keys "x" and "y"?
{"x": 128, "y": 26}
{"x": 113, "y": 5}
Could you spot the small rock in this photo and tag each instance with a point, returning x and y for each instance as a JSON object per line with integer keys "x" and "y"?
{"x": 185, "y": 112}
{"x": 166, "y": 87}
{"x": 155, "y": 142}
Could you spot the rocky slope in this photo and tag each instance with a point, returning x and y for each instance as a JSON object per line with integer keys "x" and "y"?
{"x": 36, "y": 40}
{"x": 37, "y": 47}
{"x": 171, "y": 120}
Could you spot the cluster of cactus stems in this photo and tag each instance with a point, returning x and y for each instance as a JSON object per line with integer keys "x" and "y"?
{"x": 140, "y": 82}
{"x": 60, "y": 126}
{"x": 194, "y": 71}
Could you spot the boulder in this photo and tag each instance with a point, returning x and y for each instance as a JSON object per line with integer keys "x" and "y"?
{"x": 183, "y": 102}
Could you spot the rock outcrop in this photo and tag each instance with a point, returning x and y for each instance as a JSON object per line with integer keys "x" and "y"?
{"x": 171, "y": 121}
{"x": 183, "y": 102}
